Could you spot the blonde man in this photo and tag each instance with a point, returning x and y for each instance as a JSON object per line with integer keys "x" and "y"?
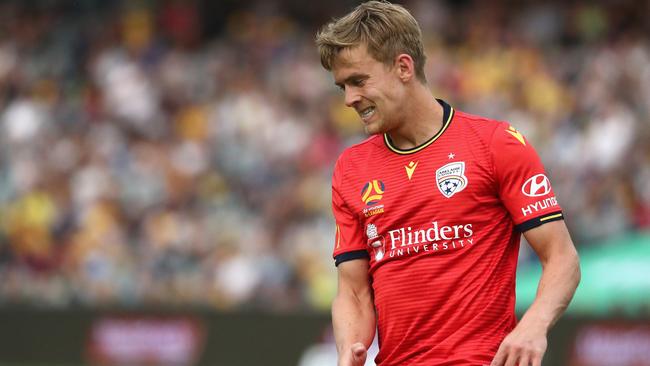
{"x": 429, "y": 213}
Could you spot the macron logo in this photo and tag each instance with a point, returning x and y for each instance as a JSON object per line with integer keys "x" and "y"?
{"x": 537, "y": 185}
{"x": 411, "y": 168}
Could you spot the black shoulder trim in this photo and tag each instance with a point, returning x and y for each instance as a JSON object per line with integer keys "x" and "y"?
{"x": 348, "y": 256}
{"x": 537, "y": 221}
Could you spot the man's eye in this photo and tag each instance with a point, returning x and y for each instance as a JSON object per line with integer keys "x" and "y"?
{"x": 358, "y": 82}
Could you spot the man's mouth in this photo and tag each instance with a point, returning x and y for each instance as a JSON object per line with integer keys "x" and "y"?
{"x": 367, "y": 113}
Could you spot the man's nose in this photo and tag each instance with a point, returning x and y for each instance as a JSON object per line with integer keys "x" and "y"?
{"x": 351, "y": 96}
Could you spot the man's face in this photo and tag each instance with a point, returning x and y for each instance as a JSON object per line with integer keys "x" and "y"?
{"x": 372, "y": 88}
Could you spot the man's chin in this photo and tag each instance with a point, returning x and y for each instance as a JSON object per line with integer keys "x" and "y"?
{"x": 372, "y": 129}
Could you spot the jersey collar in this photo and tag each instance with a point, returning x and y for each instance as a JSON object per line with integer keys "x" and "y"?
{"x": 447, "y": 116}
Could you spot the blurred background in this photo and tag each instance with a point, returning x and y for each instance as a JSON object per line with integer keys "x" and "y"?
{"x": 165, "y": 171}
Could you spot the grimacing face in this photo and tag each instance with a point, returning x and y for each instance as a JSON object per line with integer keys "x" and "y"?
{"x": 371, "y": 87}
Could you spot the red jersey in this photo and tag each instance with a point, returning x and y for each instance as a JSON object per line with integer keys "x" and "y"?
{"x": 441, "y": 224}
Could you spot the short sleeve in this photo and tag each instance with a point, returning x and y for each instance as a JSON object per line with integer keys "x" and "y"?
{"x": 523, "y": 185}
{"x": 348, "y": 242}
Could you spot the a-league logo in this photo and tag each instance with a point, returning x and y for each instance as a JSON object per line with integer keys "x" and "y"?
{"x": 451, "y": 178}
{"x": 372, "y": 192}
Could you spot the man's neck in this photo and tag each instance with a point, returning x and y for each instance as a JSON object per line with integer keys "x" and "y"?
{"x": 422, "y": 120}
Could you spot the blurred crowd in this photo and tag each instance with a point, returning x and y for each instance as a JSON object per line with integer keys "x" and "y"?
{"x": 151, "y": 157}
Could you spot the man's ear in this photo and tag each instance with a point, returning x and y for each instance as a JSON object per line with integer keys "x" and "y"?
{"x": 405, "y": 67}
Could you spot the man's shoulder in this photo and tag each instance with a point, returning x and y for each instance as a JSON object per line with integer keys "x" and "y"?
{"x": 482, "y": 127}
{"x": 480, "y": 123}
{"x": 361, "y": 150}
{"x": 354, "y": 161}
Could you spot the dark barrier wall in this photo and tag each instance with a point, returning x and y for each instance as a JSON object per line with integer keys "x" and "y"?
{"x": 237, "y": 339}
{"x": 47, "y": 337}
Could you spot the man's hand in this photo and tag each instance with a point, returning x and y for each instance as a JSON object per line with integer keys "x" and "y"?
{"x": 524, "y": 346}
{"x": 355, "y": 356}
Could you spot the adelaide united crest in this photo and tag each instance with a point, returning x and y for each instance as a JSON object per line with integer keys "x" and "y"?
{"x": 451, "y": 178}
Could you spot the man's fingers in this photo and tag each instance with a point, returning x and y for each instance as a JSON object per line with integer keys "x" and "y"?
{"x": 524, "y": 361}
{"x": 510, "y": 355}
{"x": 507, "y": 355}
{"x": 511, "y": 360}
{"x": 537, "y": 360}
{"x": 499, "y": 358}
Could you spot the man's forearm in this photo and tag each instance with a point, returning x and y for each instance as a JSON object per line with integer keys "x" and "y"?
{"x": 527, "y": 343}
{"x": 560, "y": 278}
{"x": 354, "y": 320}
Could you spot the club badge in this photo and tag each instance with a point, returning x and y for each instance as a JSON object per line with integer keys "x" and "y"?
{"x": 451, "y": 178}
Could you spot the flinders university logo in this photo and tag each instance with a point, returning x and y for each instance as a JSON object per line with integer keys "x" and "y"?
{"x": 451, "y": 178}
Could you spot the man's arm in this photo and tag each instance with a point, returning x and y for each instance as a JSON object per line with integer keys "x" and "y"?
{"x": 353, "y": 313}
{"x": 526, "y": 344}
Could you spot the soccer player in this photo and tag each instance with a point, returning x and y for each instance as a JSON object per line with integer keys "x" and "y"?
{"x": 429, "y": 213}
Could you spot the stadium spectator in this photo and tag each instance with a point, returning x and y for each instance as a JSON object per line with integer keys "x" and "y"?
{"x": 147, "y": 154}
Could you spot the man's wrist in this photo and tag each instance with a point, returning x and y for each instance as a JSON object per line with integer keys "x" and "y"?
{"x": 536, "y": 323}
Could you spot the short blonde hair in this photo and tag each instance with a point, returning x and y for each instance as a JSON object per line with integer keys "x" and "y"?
{"x": 386, "y": 29}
